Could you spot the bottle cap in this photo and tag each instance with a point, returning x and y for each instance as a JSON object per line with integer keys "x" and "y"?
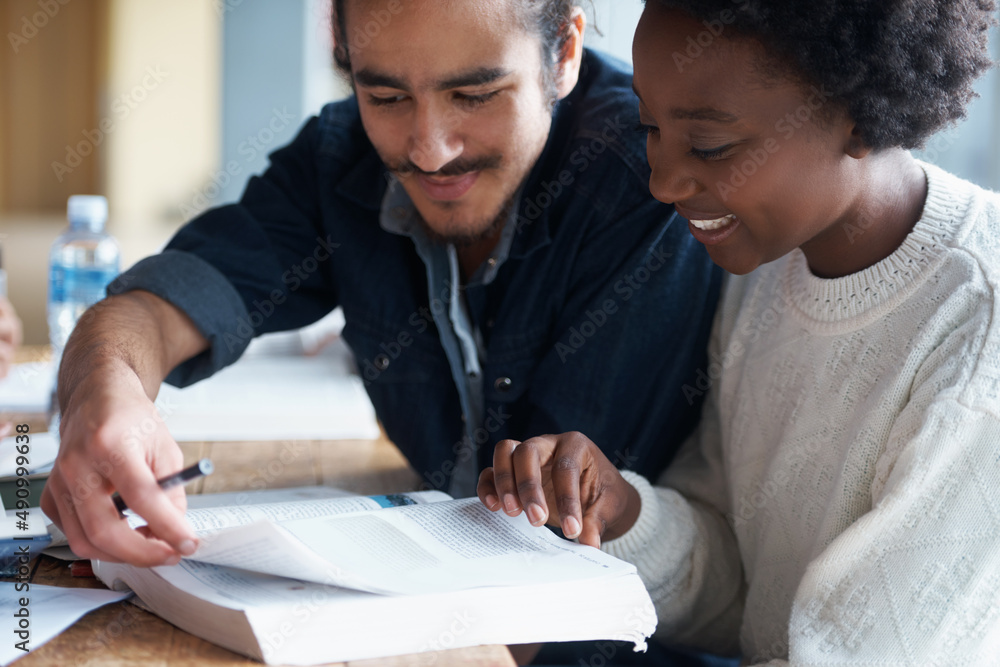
{"x": 89, "y": 211}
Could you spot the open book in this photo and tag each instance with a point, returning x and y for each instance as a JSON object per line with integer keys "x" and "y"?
{"x": 325, "y": 580}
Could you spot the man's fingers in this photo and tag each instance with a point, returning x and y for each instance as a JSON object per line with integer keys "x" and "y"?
{"x": 5, "y": 429}
{"x": 503, "y": 476}
{"x": 75, "y": 514}
{"x": 528, "y": 478}
{"x": 487, "y": 490}
{"x": 136, "y": 484}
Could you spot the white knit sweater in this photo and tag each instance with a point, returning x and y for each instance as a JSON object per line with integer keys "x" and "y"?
{"x": 840, "y": 504}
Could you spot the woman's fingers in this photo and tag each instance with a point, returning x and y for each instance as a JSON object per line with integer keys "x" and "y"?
{"x": 503, "y": 476}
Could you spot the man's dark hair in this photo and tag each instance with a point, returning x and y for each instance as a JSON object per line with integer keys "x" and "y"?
{"x": 549, "y": 19}
{"x": 902, "y": 69}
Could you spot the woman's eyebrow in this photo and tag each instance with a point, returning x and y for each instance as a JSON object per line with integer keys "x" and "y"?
{"x": 703, "y": 113}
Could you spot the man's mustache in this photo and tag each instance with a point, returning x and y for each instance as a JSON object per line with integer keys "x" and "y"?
{"x": 456, "y": 167}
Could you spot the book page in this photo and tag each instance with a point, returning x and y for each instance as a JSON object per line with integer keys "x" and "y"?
{"x": 415, "y": 549}
{"x": 239, "y": 589}
{"x": 213, "y": 519}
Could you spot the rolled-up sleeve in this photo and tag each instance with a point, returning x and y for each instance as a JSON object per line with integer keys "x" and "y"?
{"x": 205, "y": 295}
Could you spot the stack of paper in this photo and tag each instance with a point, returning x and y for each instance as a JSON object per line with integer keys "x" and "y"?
{"x": 268, "y": 397}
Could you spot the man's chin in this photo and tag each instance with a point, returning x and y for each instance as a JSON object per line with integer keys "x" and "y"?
{"x": 462, "y": 235}
{"x": 465, "y": 230}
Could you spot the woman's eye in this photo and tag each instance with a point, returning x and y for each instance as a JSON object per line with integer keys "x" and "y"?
{"x": 476, "y": 100}
{"x": 377, "y": 101}
{"x": 646, "y": 129}
{"x": 720, "y": 153}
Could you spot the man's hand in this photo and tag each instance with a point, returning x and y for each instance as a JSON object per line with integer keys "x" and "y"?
{"x": 112, "y": 439}
{"x": 568, "y": 472}
{"x": 10, "y": 335}
{"x": 111, "y": 436}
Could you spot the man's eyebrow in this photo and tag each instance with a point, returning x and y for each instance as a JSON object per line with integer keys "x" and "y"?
{"x": 476, "y": 77}
{"x": 372, "y": 79}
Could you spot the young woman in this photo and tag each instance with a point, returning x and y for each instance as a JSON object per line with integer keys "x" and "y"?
{"x": 841, "y": 501}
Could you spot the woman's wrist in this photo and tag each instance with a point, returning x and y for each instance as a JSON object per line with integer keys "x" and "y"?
{"x": 633, "y": 505}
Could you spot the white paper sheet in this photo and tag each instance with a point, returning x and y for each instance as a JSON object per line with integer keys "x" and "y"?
{"x": 42, "y": 450}
{"x": 28, "y": 387}
{"x": 265, "y": 397}
{"x": 51, "y": 610}
{"x": 417, "y": 549}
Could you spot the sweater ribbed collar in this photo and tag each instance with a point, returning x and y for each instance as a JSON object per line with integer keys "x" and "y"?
{"x": 869, "y": 294}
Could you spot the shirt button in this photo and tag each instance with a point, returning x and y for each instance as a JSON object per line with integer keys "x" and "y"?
{"x": 492, "y": 261}
{"x": 463, "y": 419}
{"x": 503, "y": 384}
{"x": 490, "y": 324}
{"x": 381, "y": 362}
{"x": 399, "y": 211}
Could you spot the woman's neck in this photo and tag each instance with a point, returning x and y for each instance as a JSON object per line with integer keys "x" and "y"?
{"x": 890, "y": 192}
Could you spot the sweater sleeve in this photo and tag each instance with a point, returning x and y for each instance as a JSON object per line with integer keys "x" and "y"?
{"x": 914, "y": 580}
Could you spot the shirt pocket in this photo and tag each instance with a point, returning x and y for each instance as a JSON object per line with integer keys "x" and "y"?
{"x": 396, "y": 352}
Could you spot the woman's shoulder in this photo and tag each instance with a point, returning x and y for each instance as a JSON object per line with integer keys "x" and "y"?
{"x": 966, "y": 218}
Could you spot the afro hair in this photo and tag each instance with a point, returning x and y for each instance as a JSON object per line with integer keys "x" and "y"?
{"x": 903, "y": 69}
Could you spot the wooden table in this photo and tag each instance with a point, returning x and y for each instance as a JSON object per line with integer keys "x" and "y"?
{"x": 121, "y": 634}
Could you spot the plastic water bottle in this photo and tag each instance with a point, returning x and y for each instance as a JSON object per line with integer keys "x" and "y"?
{"x": 83, "y": 260}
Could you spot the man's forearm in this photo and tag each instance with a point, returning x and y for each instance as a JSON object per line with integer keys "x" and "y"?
{"x": 136, "y": 330}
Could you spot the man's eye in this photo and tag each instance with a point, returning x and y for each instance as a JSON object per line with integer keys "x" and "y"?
{"x": 377, "y": 101}
{"x": 646, "y": 129}
{"x": 476, "y": 100}
{"x": 720, "y": 153}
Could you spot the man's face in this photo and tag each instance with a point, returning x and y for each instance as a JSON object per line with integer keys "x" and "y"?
{"x": 452, "y": 97}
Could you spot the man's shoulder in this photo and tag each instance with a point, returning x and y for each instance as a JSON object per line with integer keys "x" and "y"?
{"x": 603, "y": 117}
{"x": 339, "y": 132}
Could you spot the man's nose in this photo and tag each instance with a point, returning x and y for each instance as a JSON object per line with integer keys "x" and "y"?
{"x": 435, "y": 139}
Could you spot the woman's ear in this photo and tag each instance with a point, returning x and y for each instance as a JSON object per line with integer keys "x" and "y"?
{"x": 571, "y": 56}
{"x": 856, "y": 146}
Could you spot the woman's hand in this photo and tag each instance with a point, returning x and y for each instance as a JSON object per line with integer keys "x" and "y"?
{"x": 567, "y": 472}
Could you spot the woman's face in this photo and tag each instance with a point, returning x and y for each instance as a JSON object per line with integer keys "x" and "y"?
{"x": 757, "y": 162}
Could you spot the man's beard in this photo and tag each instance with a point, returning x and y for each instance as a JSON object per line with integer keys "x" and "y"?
{"x": 458, "y": 167}
{"x": 470, "y": 238}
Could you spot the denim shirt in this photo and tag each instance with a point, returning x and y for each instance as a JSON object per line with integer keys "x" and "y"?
{"x": 461, "y": 340}
{"x": 598, "y": 320}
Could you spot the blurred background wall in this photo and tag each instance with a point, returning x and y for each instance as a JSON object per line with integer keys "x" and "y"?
{"x": 168, "y": 106}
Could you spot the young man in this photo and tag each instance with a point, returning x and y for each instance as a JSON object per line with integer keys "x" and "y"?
{"x": 480, "y": 212}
